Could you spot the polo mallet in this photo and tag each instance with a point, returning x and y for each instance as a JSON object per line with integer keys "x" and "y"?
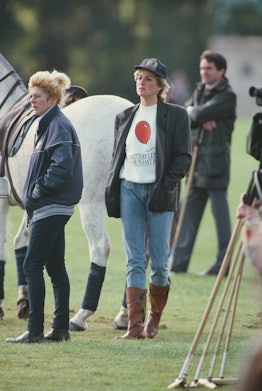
{"x": 222, "y": 380}
{"x": 181, "y": 380}
{"x": 210, "y": 382}
{"x": 197, "y": 381}
{"x": 185, "y": 198}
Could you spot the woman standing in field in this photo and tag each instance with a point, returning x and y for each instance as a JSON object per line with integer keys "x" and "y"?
{"x": 152, "y": 153}
{"x": 52, "y": 188}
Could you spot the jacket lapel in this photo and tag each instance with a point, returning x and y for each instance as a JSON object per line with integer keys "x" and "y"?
{"x": 160, "y": 138}
{"x": 123, "y": 130}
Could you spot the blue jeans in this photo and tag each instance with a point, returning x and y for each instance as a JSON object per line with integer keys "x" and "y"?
{"x": 46, "y": 249}
{"x": 136, "y": 220}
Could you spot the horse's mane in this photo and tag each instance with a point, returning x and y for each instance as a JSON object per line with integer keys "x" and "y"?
{"x": 12, "y": 88}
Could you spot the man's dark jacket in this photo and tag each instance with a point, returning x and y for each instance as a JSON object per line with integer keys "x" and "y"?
{"x": 212, "y": 169}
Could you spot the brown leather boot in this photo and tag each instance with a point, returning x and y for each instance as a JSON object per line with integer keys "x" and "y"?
{"x": 136, "y": 308}
{"x": 158, "y": 299}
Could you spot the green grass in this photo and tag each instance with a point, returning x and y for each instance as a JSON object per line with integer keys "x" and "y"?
{"x": 94, "y": 360}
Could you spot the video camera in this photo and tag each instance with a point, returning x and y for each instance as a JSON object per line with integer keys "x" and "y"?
{"x": 256, "y": 93}
{"x": 254, "y": 148}
{"x": 254, "y": 137}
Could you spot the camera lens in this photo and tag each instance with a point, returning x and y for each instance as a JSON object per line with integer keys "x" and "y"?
{"x": 255, "y": 92}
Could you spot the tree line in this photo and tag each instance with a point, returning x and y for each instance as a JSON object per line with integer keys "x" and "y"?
{"x": 98, "y": 42}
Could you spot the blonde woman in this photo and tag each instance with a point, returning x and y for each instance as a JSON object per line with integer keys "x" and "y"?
{"x": 52, "y": 188}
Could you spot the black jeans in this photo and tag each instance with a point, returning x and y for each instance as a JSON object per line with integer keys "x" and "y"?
{"x": 196, "y": 203}
{"x": 46, "y": 249}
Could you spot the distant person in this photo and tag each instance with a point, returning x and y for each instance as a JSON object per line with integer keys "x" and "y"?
{"x": 179, "y": 90}
{"x": 151, "y": 154}
{"x": 52, "y": 189}
{"x": 74, "y": 93}
{"x": 212, "y": 112}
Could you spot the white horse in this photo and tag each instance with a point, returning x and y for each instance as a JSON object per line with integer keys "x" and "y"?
{"x": 93, "y": 118}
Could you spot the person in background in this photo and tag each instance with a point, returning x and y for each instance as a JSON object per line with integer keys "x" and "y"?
{"x": 212, "y": 113}
{"x": 74, "y": 93}
{"x": 151, "y": 154}
{"x": 52, "y": 188}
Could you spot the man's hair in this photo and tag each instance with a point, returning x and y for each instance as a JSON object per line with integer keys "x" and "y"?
{"x": 219, "y": 60}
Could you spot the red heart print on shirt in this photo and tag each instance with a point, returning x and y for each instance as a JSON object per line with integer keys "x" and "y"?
{"x": 143, "y": 131}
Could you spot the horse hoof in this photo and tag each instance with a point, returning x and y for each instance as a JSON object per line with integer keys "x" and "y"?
{"x": 121, "y": 319}
{"x": 75, "y": 327}
{"x": 23, "y": 309}
{"x": 2, "y": 314}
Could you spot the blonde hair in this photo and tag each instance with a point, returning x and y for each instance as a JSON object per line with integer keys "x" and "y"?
{"x": 53, "y": 83}
{"x": 165, "y": 87}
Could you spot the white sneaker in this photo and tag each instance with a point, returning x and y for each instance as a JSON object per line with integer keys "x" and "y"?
{"x": 121, "y": 319}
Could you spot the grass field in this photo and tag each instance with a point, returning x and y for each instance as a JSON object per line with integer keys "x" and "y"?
{"x": 94, "y": 360}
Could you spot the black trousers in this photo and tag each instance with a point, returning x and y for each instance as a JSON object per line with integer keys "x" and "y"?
{"x": 197, "y": 200}
{"x": 47, "y": 249}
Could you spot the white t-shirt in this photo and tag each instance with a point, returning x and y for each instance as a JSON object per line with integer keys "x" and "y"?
{"x": 140, "y": 162}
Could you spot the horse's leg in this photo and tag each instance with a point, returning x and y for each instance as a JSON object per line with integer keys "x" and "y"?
{"x": 4, "y": 206}
{"x": 121, "y": 319}
{"x": 93, "y": 223}
{"x": 20, "y": 247}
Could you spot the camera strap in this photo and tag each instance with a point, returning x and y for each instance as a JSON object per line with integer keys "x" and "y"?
{"x": 257, "y": 182}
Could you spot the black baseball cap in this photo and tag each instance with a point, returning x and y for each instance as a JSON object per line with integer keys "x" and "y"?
{"x": 153, "y": 65}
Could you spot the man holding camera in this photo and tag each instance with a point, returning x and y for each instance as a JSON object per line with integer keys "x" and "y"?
{"x": 212, "y": 112}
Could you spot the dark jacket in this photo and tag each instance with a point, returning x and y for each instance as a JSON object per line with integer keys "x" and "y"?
{"x": 173, "y": 157}
{"x": 212, "y": 169}
{"x": 55, "y": 168}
